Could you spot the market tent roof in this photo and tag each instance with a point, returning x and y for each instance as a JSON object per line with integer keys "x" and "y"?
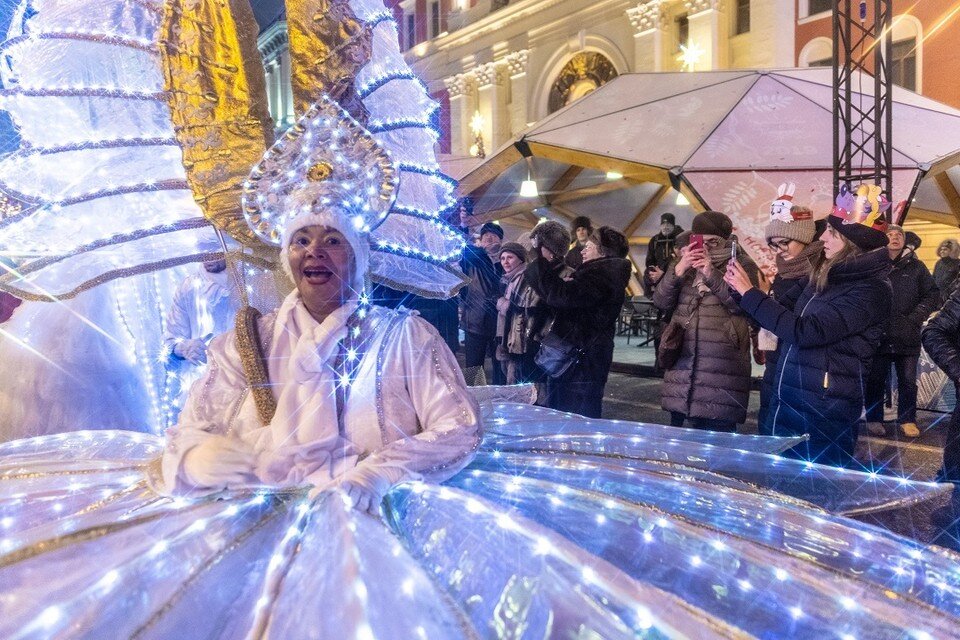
{"x": 725, "y": 139}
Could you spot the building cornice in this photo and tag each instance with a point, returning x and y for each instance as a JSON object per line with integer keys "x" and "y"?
{"x": 273, "y": 40}
{"x": 495, "y": 22}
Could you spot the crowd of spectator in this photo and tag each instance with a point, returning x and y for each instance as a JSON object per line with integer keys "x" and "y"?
{"x": 839, "y": 322}
{"x": 544, "y": 310}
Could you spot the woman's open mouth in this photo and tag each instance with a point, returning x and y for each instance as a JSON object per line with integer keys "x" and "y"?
{"x": 317, "y": 275}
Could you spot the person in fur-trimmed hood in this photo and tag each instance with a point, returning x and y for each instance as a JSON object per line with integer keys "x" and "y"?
{"x": 831, "y": 333}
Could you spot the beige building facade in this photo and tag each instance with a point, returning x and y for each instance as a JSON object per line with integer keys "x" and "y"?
{"x": 514, "y": 63}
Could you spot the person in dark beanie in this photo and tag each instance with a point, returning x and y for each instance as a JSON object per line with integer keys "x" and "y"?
{"x": 789, "y": 235}
{"x": 523, "y": 319}
{"x": 661, "y": 247}
{"x": 915, "y": 297}
{"x": 708, "y": 381}
{"x": 490, "y": 237}
{"x": 478, "y": 304}
{"x": 580, "y": 228}
{"x": 585, "y": 308}
{"x": 830, "y": 336}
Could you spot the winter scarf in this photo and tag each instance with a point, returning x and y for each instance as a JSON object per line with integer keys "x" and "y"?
{"x": 303, "y": 442}
{"x": 802, "y": 265}
{"x": 509, "y": 282}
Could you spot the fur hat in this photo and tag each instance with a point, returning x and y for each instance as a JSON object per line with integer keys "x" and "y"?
{"x": 952, "y": 247}
{"x": 712, "y": 223}
{"x": 552, "y": 235}
{"x": 491, "y": 227}
{"x": 582, "y": 221}
{"x": 788, "y": 220}
{"x": 858, "y": 216}
{"x": 515, "y": 248}
{"x": 611, "y": 242}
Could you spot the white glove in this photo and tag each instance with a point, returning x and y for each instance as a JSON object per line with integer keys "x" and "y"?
{"x": 366, "y": 484}
{"x": 193, "y": 351}
{"x": 219, "y": 462}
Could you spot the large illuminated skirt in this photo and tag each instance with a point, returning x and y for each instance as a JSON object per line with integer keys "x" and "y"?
{"x": 561, "y": 527}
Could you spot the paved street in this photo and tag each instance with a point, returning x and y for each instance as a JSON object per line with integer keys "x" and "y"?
{"x": 630, "y": 397}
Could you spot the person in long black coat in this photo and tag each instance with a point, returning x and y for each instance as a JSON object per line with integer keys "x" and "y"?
{"x": 585, "y": 309}
{"x": 941, "y": 340}
{"x": 915, "y": 297}
{"x": 829, "y": 338}
{"x": 478, "y": 304}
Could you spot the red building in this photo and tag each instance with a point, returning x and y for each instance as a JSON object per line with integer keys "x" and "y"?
{"x": 924, "y": 53}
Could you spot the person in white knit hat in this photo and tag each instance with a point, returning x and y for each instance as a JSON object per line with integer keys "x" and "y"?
{"x": 790, "y": 235}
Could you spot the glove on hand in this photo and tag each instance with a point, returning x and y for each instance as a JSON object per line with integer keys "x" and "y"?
{"x": 366, "y": 484}
{"x": 219, "y": 462}
{"x": 193, "y": 351}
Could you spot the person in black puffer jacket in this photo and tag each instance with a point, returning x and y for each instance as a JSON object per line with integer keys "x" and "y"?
{"x": 915, "y": 297}
{"x": 941, "y": 340}
{"x": 829, "y": 338}
{"x": 790, "y": 234}
{"x": 585, "y": 310}
{"x": 709, "y": 384}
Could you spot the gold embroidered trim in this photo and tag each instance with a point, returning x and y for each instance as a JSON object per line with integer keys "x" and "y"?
{"x": 83, "y": 535}
{"x": 74, "y": 472}
{"x": 254, "y": 363}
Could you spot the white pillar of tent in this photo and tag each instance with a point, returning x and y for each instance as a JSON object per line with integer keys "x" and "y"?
{"x": 460, "y": 114}
{"x": 649, "y": 33}
{"x": 517, "y": 69}
{"x": 707, "y": 32}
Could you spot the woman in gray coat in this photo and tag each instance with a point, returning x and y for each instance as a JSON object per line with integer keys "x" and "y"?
{"x": 709, "y": 384}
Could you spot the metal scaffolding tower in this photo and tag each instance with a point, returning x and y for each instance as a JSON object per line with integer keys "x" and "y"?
{"x": 862, "y": 123}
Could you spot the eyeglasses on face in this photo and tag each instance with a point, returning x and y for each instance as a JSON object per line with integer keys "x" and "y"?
{"x": 713, "y": 243}
{"x": 779, "y": 245}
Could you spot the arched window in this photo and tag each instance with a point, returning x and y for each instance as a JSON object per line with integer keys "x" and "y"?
{"x": 906, "y": 52}
{"x": 584, "y": 73}
{"x": 817, "y": 53}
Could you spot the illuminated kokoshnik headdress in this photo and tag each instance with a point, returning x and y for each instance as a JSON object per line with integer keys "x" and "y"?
{"x": 329, "y": 154}
{"x": 325, "y": 170}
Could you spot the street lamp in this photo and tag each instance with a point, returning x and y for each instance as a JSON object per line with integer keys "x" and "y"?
{"x": 476, "y": 125}
{"x": 528, "y": 188}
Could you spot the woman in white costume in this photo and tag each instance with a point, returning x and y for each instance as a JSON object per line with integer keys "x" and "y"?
{"x": 365, "y": 396}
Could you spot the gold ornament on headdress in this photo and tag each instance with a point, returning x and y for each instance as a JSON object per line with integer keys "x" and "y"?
{"x": 319, "y": 172}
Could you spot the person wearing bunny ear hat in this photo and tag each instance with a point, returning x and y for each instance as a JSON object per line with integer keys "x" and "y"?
{"x": 829, "y": 336}
{"x": 353, "y": 397}
{"x": 790, "y": 235}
